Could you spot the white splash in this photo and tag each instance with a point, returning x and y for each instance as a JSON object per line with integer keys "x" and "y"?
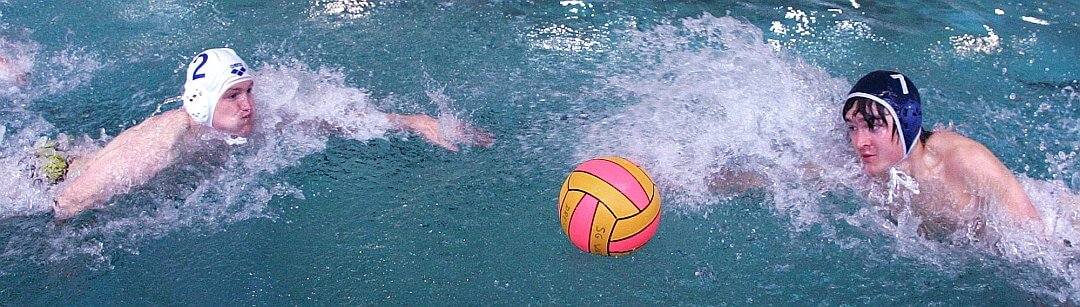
{"x": 1035, "y": 20}
{"x": 348, "y": 9}
{"x": 968, "y": 45}
{"x": 1053, "y": 250}
{"x": 801, "y": 30}
{"x": 16, "y": 66}
{"x": 803, "y": 21}
{"x": 563, "y": 38}
{"x": 292, "y": 94}
{"x": 719, "y": 97}
{"x": 20, "y": 193}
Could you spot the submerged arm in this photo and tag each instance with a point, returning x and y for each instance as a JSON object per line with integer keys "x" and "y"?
{"x": 731, "y": 181}
{"x": 129, "y": 160}
{"x": 738, "y": 180}
{"x": 446, "y": 135}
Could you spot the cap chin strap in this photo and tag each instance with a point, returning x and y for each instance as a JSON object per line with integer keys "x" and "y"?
{"x": 899, "y": 179}
{"x": 235, "y": 140}
{"x": 896, "y": 120}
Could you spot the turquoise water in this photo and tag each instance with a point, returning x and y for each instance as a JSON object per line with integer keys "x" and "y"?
{"x": 684, "y": 89}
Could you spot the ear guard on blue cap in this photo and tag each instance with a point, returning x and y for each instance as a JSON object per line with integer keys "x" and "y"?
{"x": 898, "y": 94}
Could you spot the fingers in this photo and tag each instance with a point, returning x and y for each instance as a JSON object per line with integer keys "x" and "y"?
{"x": 443, "y": 142}
{"x": 431, "y": 134}
{"x": 447, "y": 135}
{"x": 467, "y": 135}
{"x": 449, "y": 146}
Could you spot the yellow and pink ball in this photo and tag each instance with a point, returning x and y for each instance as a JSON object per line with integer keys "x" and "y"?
{"x": 609, "y": 206}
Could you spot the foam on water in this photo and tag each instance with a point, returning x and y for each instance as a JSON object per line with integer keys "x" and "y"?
{"x": 345, "y": 9}
{"x": 29, "y": 73}
{"x": 711, "y": 96}
{"x": 57, "y": 72}
{"x": 1054, "y": 254}
{"x": 18, "y": 192}
{"x": 1064, "y": 165}
{"x": 16, "y": 63}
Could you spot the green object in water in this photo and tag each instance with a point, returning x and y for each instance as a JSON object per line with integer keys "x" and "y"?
{"x": 54, "y": 168}
{"x": 52, "y": 164}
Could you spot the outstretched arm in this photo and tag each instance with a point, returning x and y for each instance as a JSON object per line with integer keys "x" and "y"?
{"x": 445, "y": 135}
{"x": 129, "y": 160}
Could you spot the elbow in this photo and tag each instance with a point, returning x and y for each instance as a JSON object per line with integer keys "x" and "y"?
{"x": 1024, "y": 212}
{"x": 72, "y": 200}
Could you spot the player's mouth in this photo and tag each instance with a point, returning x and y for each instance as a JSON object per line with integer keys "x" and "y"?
{"x": 868, "y": 158}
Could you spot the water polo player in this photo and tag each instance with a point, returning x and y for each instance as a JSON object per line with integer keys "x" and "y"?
{"x": 217, "y": 99}
{"x": 949, "y": 178}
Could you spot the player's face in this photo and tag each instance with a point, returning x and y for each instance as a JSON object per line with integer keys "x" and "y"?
{"x": 876, "y": 143}
{"x": 235, "y": 112}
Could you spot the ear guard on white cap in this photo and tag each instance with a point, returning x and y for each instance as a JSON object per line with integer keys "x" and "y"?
{"x": 209, "y": 75}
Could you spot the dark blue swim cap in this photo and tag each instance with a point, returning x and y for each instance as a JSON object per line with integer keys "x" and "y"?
{"x": 896, "y": 92}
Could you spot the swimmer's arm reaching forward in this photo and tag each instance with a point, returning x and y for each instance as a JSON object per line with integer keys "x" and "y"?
{"x": 130, "y": 159}
{"x": 444, "y": 135}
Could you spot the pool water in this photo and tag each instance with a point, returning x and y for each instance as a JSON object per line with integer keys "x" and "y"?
{"x": 367, "y": 215}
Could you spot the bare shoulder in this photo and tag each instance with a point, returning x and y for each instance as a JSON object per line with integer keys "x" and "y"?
{"x": 169, "y": 125}
{"x": 176, "y": 117}
{"x": 160, "y": 132}
{"x": 952, "y": 144}
{"x": 961, "y": 153}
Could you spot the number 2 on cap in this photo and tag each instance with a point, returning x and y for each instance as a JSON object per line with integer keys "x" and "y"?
{"x": 196, "y": 75}
{"x": 903, "y": 84}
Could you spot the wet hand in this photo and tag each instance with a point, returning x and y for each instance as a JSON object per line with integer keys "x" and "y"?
{"x": 445, "y": 133}
{"x": 475, "y": 136}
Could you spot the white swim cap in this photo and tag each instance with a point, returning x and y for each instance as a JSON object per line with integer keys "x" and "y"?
{"x": 208, "y": 76}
